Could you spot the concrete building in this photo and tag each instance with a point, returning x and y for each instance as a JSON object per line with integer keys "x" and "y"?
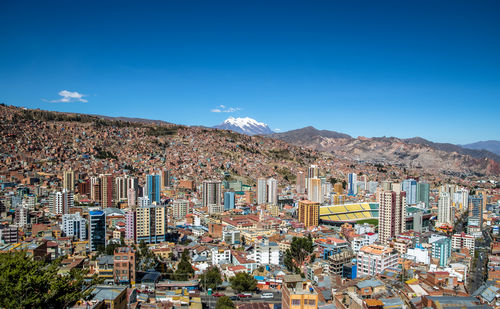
{"x": 392, "y": 214}
{"x": 69, "y": 180}
{"x": 309, "y": 213}
{"x": 459, "y": 241}
{"x": 363, "y": 240}
{"x": 266, "y": 253}
{"x": 61, "y": 202}
{"x": 131, "y": 225}
{"x": 106, "y": 190}
{"x": 124, "y": 265}
{"x": 73, "y": 225}
{"x": 373, "y": 259}
{"x": 180, "y": 209}
{"x": 261, "y": 191}
{"x": 298, "y": 293}
{"x": 301, "y": 183}
{"x": 152, "y": 222}
{"x": 441, "y": 249}
{"x": 212, "y": 194}
{"x": 220, "y": 256}
{"x": 22, "y": 216}
{"x": 314, "y": 192}
{"x": 272, "y": 191}
{"x": 445, "y": 214}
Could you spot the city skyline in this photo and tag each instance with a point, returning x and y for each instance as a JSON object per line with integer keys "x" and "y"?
{"x": 335, "y": 66}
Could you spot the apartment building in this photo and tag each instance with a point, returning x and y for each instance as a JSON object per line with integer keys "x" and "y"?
{"x": 373, "y": 259}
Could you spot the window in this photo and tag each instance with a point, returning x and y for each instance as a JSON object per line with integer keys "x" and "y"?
{"x": 295, "y": 302}
{"x": 312, "y": 302}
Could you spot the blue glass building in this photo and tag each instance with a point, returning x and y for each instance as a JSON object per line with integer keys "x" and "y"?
{"x": 229, "y": 200}
{"x": 153, "y": 188}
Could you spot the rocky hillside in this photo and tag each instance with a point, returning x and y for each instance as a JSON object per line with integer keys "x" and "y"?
{"x": 410, "y": 153}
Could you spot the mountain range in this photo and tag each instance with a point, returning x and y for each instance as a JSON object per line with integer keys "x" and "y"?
{"x": 492, "y": 146}
{"x": 245, "y": 125}
{"x": 412, "y": 152}
{"x": 128, "y": 139}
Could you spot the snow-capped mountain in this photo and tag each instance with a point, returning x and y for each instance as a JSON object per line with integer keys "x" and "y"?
{"x": 245, "y": 125}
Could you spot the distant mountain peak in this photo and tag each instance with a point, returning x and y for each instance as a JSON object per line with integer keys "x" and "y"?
{"x": 245, "y": 125}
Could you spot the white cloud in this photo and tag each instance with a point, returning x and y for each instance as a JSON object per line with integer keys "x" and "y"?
{"x": 69, "y": 96}
{"x": 277, "y": 130}
{"x": 224, "y": 109}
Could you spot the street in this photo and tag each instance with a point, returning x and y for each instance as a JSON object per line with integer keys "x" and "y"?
{"x": 210, "y": 301}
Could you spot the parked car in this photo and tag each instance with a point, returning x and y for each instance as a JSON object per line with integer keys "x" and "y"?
{"x": 217, "y": 294}
{"x": 234, "y": 298}
{"x": 245, "y": 295}
{"x": 267, "y": 295}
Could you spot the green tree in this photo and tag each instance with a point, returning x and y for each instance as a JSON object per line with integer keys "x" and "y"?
{"x": 224, "y": 303}
{"x": 184, "y": 268}
{"x": 146, "y": 259}
{"x": 243, "y": 282}
{"x": 28, "y": 283}
{"x": 243, "y": 240}
{"x": 211, "y": 278}
{"x": 300, "y": 249}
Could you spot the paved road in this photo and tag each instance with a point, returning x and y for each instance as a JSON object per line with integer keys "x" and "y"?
{"x": 210, "y": 301}
{"x": 479, "y": 275}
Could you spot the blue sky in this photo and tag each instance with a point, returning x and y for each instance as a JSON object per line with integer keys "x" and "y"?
{"x": 369, "y": 68}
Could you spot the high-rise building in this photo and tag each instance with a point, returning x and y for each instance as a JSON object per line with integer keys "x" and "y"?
{"x": 261, "y": 191}
{"x": 61, "y": 202}
{"x": 212, "y": 194}
{"x": 22, "y": 215}
{"x": 73, "y": 225}
{"x": 124, "y": 265}
{"x": 153, "y": 188}
{"x": 301, "y": 183}
{"x": 444, "y": 209}
{"x": 423, "y": 190}
{"x": 338, "y": 188}
{"x": 180, "y": 209}
{"x": 229, "y": 200}
{"x": 313, "y": 171}
{"x": 106, "y": 190}
{"x": 94, "y": 188}
{"x": 314, "y": 192}
{"x": 69, "y": 180}
{"x": 121, "y": 189}
{"x": 309, "y": 213}
{"x": 97, "y": 229}
{"x": 476, "y": 209}
{"x": 441, "y": 249}
{"x": 165, "y": 179}
{"x": 143, "y": 201}
{"x": 352, "y": 184}
{"x": 410, "y": 187}
{"x": 130, "y": 226}
{"x": 461, "y": 199}
{"x": 151, "y": 224}
{"x": 272, "y": 191}
{"x": 132, "y": 197}
{"x": 386, "y": 185}
{"x": 392, "y": 214}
